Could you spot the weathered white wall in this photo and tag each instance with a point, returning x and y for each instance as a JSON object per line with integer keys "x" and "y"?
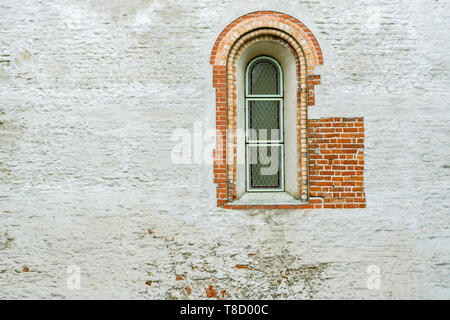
{"x": 90, "y": 93}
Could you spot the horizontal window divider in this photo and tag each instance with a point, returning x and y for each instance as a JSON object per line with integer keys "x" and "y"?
{"x": 264, "y": 190}
{"x": 264, "y": 97}
{"x": 265, "y": 142}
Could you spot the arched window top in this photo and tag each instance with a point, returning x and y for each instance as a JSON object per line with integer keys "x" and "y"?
{"x": 264, "y": 77}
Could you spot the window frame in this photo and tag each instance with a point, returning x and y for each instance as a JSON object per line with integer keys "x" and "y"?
{"x": 249, "y": 189}
{"x": 256, "y": 143}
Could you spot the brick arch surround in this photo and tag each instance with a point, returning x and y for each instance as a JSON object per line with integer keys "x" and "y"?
{"x": 231, "y": 43}
{"x": 265, "y": 20}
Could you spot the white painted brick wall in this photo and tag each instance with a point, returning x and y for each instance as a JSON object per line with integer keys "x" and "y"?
{"x": 90, "y": 93}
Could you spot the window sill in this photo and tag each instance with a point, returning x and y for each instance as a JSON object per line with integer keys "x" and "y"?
{"x": 267, "y": 198}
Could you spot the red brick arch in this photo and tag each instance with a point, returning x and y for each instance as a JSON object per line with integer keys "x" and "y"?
{"x": 265, "y": 19}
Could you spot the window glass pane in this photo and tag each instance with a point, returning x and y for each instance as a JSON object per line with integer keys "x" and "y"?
{"x": 265, "y": 166}
{"x": 263, "y": 78}
{"x": 264, "y": 119}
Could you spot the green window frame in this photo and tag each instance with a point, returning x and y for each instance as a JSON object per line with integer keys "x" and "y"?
{"x": 264, "y": 125}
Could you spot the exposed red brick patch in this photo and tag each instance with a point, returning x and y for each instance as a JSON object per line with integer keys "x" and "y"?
{"x": 336, "y": 148}
{"x": 241, "y": 266}
{"x": 25, "y": 269}
{"x": 188, "y": 290}
{"x": 210, "y": 293}
{"x": 179, "y": 278}
{"x": 224, "y": 294}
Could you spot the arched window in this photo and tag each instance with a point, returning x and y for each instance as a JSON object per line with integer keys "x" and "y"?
{"x": 264, "y": 125}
